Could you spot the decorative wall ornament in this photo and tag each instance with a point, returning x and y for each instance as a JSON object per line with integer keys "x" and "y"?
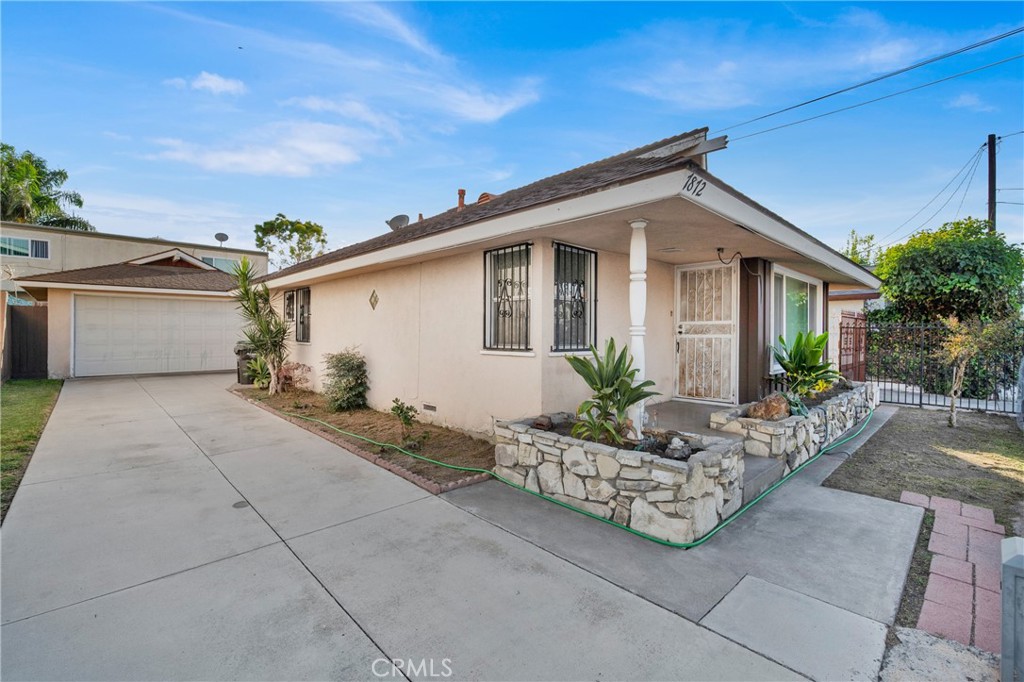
{"x": 374, "y": 299}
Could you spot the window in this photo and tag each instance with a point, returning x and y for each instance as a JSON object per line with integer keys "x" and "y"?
{"x": 225, "y": 264}
{"x": 302, "y": 315}
{"x": 795, "y": 303}
{"x": 289, "y": 305}
{"x": 507, "y": 298}
{"x": 22, "y": 246}
{"x": 575, "y": 297}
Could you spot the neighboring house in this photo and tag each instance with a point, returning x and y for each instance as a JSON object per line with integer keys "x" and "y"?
{"x": 845, "y": 298}
{"x": 165, "y": 312}
{"x": 27, "y": 250}
{"x": 468, "y": 315}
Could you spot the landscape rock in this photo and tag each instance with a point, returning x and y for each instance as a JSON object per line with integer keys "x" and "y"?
{"x": 773, "y": 408}
{"x": 573, "y": 486}
{"x": 549, "y": 475}
{"x": 600, "y": 490}
{"x": 647, "y": 518}
{"x": 607, "y": 466}
{"x": 576, "y": 461}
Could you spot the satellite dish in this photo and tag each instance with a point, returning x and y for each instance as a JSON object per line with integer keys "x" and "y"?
{"x": 398, "y": 222}
{"x": 221, "y": 237}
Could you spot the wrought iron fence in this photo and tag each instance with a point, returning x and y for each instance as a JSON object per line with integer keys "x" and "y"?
{"x": 903, "y": 359}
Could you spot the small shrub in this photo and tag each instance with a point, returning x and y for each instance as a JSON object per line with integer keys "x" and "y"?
{"x": 346, "y": 381}
{"x": 259, "y": 371}
{"x": 407, "y": 415}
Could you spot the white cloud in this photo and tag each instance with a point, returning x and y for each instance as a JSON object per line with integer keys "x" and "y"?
{"x": 116, "y": 136}
{"x": 389, "y": 24}
{"x": 211, "y": 82}
{"x": 218, "y": 85}
{"x": 472, "y": 104}
{"x": 730, "y": 64}
{"x": 294, "y": 148}
{"x": 348, "y": 108}
{"x": 157, "y": 216}
{"x": 971, "y": 102}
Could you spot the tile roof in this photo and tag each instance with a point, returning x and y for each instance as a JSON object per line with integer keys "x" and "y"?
{"x": 635, "y": 164}
{"x": 145, "y": 276}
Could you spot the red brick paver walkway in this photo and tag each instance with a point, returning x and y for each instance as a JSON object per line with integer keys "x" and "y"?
{"x": 962, "y": 599}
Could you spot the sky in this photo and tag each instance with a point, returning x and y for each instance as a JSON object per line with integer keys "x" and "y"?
{"x": 184, "y": 119}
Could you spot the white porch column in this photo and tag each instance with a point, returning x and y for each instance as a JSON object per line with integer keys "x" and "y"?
{"x": 638, "y": 310}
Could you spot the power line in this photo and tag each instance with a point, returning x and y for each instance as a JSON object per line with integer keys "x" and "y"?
{"x": 1012, "y": 203}
{"x": 930, "y": 60}
{"x": 974, "y": 157}
{"x": 977, "y": 162}
{"x": 1011, "y": 134}
{"x": 879, "y": 99}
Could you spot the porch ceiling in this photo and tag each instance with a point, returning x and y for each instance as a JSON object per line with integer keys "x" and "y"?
{"x": 680, "y": 232}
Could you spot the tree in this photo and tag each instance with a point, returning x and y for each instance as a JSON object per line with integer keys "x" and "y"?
{"x": 266, "y": 332}
{"x": 959, "y": 270}
{"x": 290, "y": 241}
{"x": 965, "y": 340}
{"x": 861, "y": 250}
{"x": 30, "y": 192}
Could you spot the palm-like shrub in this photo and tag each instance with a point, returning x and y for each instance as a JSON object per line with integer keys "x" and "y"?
{"x": 266, "y": 332}
{"x": 603, "y": 416}
{"x": 803, "y": 362}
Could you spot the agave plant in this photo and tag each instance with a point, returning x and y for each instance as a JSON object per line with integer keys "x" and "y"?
{"x": 603, "y": 416}
{"x": 803, "y": 363}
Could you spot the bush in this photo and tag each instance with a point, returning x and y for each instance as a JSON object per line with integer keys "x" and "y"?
{"x": 259, "y": 372}
{"x": 296, "y": 375}
{"x": 803, "y": 363}
{"x": 346, "y": 381}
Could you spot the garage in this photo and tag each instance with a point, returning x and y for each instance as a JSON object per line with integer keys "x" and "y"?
{"x": 152, "y": 335}
{"x": 161, "y": 314}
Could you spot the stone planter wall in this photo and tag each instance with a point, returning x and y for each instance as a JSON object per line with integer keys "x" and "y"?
{"x": 796, "y": 439}
{"x": 674, "y": 500}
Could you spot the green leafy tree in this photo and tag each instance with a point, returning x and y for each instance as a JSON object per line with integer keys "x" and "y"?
{"x": 959, "y": 270}
{"x": 290, "y": 241}
{"x": 30, "y": 192}
{"x": 861, "y": 250}
{"x": 965, "y": 340}
{"x": 266, "y": 332}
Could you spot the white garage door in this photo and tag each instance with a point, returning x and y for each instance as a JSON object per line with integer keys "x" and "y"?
{"x": 150, "y": 335}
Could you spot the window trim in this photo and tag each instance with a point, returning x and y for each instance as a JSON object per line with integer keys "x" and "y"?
{"x": 591, "y": 299}
{"x": 211, "y": 262}
{"x": 307, "y": 327}
{"x": 32, "y": 241}
{"x": 488, "y": 327}
{"x": 775, "y": 367}
{"x": 289, "y": 305}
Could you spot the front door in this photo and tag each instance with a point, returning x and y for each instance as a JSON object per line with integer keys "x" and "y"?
{"x": 706, "y": 324}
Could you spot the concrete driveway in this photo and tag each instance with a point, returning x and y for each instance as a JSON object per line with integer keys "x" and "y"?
{"x": 166, "y": 529}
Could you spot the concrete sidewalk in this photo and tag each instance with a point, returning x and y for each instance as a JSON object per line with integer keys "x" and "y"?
{"x": 168, "y": 530}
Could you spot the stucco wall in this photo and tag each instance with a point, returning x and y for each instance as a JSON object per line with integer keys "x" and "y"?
{"x": 423, "y": 342}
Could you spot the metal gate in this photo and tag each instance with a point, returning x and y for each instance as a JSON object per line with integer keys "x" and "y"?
{"x": 853, "y": 345}
{"x": 903, "y": 360}
{"x": 28, "y": 342}
{"x": 707, "y": 300}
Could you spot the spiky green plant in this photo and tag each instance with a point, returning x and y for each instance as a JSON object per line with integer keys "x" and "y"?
{"x": 803, "y": 362}
{"x": 603, "y": 416}
{"x": 266, "y": 332}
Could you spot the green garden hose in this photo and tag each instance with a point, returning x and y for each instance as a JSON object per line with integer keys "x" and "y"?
{"x": 678, "y": 545}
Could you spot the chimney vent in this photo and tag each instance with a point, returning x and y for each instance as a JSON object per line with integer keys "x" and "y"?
{"x": 484, "y": 198}
{"x": 462, "y": 199}
{"x": 420, "y": 219}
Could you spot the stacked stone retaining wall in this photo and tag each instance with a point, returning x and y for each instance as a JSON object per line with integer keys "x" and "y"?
{"x": 796, "y": 439}
{"x": 674, "y": 500}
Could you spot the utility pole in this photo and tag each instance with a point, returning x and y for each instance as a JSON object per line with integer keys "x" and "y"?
{"x": 991, "y": 183}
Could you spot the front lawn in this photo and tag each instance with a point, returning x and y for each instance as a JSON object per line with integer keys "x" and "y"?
{"x": 439, "y": 443}
{"x": 25, "y": 406}
{"x": 981, "y": 462}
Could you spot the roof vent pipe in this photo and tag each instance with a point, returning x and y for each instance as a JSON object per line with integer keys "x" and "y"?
{"x": 462, "y": 199}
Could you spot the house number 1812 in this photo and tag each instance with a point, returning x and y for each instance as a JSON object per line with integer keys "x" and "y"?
{"x": 694, "y": 185}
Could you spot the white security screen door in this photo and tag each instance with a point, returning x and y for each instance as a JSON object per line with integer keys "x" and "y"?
{"x": 706, "y": 326}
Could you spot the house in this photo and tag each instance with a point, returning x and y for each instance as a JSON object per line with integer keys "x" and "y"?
{"x": 849, "y": 301}
{"x": 27, "y": 250}
{"x": 469, "y": 315}
{"x": 162, "y": 313}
